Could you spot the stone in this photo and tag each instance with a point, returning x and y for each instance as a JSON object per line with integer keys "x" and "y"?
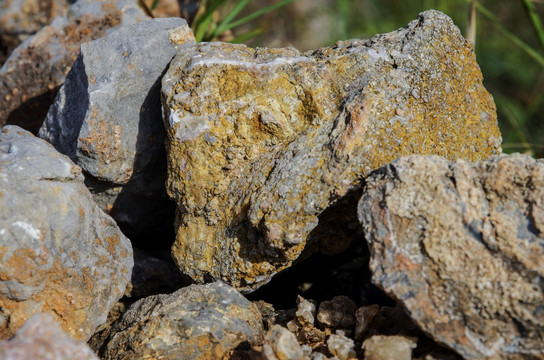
{"x": 303, "y": 324}
{"x": 280, "y": 344}
{"x": 41, "y": 337}
{"x": 30, "y": 77}
{"x": 338, "y": 313}
{"x": 364, "y": 317}
{"x": 196, "y": 322}
{"x": 260, "y": 142}
{"x": 341, "y": 346}
{"x": 461, "y": 246}
{"x": 305, "y": 311}
{"x": 21, "y": 18}
{"x": 59, "y": 253}
{"x": 116, "y": 133}
{"x": 396, "y": 347}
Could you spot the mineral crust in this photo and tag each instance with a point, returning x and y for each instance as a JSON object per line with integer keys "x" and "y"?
{"x": 261, "y": 141}
{"x": 461, "y": 246}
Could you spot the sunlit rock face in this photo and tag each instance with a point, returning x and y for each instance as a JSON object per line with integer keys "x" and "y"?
{"x": 260, "y": 142}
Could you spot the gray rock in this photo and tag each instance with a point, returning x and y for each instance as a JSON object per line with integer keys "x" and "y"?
{"x": 59, "y": 253}
{"x": 42, "y": 338}
{"x": 30, "y": 77}
{"x": 196, "y": 322}
{"x": 261, "y": 142}
{"x": 280, "y": 344}
{"x": 107, "y": 119}
{"x": 461, "y": 246}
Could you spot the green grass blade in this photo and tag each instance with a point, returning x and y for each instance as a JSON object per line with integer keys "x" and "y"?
{"x": 201, "y": 24}
{"x": 535, "y": 20}
{"x": 343, "y": 18}
{"x": 224, "y": 25}
{"x": 154, "y": 4}
{"x": 248, "y": 35}
{"x": 511, "y": 36}
{"x": 471, "y": 28}
{"x": 258, "y": 13}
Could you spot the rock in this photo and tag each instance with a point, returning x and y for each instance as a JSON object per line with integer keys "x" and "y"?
{"x": 305, "y": 311}
{"x": 280, "y": 344}
{"x": 261, "y": 141}
{"x": 21, "y": 18}
{"x": 338, "y": 313}
{"x": 30, "y": 77}
{"x": 41, "y": 337}
{"x": 342, "y": 347}
{"x": 364, "y": 317}
{"x": 116, "y": 134}
{"x": 461, "y": 246}
{"x": 303, "y": 324}
{"x": 196, "y": 322}
{"x": 59, "y": 253}
{"x": 395, "y": 347}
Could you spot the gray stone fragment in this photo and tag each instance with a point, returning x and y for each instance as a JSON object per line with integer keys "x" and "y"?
{"x": 59, "y": 253}
{"x": 196, "y": 322}
{"x": 280, "y": 344}
{"x": 107, "y": 119}
{"x": 42, "y": 338}
{"x": 31, "y": 75}
{"x": 341, "y": 346}
{"x": 461, "y": 246}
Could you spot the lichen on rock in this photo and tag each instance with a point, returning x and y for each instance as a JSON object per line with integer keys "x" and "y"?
{"x": 261, "y": 141}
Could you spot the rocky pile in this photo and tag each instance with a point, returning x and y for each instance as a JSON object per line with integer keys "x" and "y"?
{"x": 270, "y": 157}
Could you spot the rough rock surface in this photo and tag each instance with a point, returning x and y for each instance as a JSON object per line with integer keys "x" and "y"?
{"x": 116, "y": 133}
{"x": 396, "y": 347}
{"x": 280, "y": 344}
{"x": 21, "y": 18}
{"x": 59, "y": 253}
{"x": 196, "y": 322}
{"x": 41, "y": 338}
{"x": 461, "y": 245}
{"x": 262, "y": 141}
{"x": 30, "y": 77}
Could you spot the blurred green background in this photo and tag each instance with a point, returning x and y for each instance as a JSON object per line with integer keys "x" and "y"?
{"x": 511, "y": 74}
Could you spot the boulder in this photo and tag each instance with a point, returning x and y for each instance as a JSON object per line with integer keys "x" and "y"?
{"x": 59, "y": 253}
{"x": 461, "y": 246}
{"x": 260, "y": 142}
{"x": 30, "y": 77}
{"x": 107, "y": 119}
{"x": 196, "y": 322}
{"x": 41, "y": 338}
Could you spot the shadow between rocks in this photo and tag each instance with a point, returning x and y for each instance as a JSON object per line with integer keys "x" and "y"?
{"x": 142, "y": 209}
{"x": 31, "y": 114}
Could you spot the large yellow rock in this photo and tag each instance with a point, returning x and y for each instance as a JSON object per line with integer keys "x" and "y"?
{"x": 261, "y": 141}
